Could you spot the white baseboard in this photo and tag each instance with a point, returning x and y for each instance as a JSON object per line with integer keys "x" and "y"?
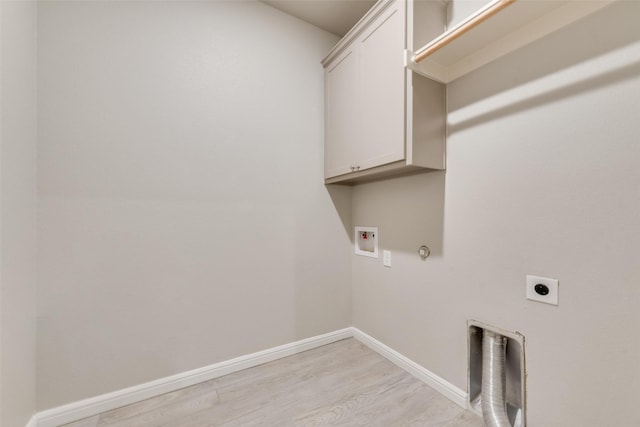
{"x": 33, "y": 421}
{"x": 454, "y": 393}
{"x": 89, "y": 407}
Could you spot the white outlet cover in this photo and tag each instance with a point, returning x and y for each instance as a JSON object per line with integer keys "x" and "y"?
{"x": 386, "y": 258}
{"x": 552, "y": 284}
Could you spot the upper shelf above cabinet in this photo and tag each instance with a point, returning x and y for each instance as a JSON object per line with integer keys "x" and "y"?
{"x": 497, "y": 29}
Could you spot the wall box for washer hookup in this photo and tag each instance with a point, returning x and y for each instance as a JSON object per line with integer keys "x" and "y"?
{"x": 366, "y": 241}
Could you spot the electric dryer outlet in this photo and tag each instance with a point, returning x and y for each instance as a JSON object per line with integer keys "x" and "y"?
{"x": 542, "y": 289}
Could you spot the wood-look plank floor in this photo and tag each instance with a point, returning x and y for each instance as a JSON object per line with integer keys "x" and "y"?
{"x": 344, "y": 383}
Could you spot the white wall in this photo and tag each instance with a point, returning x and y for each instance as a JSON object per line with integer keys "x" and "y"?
{"x": 459, "y": 10}
{"x": 542, "y": 178}
{"x": 182, "y": 216}
{"x": 18, "y": 212}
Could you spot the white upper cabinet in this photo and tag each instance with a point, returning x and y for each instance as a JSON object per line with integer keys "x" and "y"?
{"x": 382, "y": 90}
{"x": 380, "y": 118}
{"x": 342, "y": 113}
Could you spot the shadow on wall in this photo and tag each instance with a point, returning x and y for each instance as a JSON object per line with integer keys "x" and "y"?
{"x": 566, "y": 91}
{"x": 341, "y": 198}
{"x": 321, "y": 265}
{"x": 408, "y": 210}
{"x": 561, "y": 73}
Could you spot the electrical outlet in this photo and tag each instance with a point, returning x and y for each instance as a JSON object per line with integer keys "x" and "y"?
{"x": 542, "y": 289}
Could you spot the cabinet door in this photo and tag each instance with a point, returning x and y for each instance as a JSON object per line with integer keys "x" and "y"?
{"x": 342, "y": 116}
{"x": 382, "y": 90}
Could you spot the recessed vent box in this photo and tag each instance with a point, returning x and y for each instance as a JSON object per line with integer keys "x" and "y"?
{"x": 514, "y": 370}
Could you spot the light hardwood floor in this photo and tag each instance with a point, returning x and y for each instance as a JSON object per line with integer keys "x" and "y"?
{"x": 344, "y": 383}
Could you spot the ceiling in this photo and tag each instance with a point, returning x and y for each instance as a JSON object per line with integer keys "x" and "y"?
{"x": 334, "y": 16}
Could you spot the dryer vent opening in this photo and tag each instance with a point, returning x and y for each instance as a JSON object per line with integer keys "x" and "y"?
{"x": 496, "y": 380}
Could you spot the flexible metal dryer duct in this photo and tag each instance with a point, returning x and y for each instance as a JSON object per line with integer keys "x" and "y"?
{"x": 494, "y": 407}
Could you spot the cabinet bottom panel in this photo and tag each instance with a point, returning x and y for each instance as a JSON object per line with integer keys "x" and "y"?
{"x": 392, "y": 169}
